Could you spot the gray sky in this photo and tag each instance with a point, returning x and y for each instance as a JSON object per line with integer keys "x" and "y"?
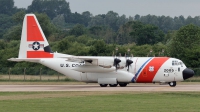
{"x": 131, "y": 7}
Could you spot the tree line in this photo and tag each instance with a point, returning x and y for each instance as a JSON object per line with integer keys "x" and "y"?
{"x": 99, "y": 35}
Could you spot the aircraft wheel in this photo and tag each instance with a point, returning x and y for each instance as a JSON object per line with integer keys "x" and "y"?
{"x": 123, "y": 85}
{"x": 103, "y": 85}
{"x": 172, "y": 84}
{"x": 113, "y": 85}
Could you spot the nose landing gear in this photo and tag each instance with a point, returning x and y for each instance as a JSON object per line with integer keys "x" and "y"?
{"x": 172, "y": 84}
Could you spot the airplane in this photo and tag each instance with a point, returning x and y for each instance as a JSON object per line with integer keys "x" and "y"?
{"x": 107, "y": 70}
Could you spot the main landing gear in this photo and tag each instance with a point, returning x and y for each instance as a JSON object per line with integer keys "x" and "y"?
{"x": 172, "y": 84}
{"x": 103, "y": 85}
{"x": 114, "y": 85}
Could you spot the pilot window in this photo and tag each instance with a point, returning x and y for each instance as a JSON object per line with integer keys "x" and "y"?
{"x": 176, "y": 63}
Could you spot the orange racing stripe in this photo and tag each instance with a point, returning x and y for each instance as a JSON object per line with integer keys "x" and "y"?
{"x": 150, "y": 70}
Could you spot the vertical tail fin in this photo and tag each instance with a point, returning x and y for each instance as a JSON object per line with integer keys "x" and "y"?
{"x": 33, "y": 41}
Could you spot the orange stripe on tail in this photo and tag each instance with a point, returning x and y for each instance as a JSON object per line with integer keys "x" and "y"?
{"x": 39, "y": 54}
{"x": 33, "y": 31}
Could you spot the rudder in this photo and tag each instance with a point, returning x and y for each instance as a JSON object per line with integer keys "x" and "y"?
{"x": 33, "y": 41}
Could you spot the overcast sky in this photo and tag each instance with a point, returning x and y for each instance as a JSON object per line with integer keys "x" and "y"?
{"x": 131, "y": 7}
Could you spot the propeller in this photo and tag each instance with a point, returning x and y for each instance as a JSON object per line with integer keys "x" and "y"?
{"x": 128, "y": 61}
{"x": 116, "y": 62}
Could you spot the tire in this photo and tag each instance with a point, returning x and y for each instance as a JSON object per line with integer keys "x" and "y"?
{"x": 103, "y": 85}
{"x": 172, "y": 84}
{"x": 123, "y": 85}
{"x": 113, "y": 85}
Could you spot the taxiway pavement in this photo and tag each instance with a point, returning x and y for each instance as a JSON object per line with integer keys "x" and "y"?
{"x": 96, "y": 87}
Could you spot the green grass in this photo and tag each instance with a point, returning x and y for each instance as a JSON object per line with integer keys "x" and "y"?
{"x": 99, "y": 101}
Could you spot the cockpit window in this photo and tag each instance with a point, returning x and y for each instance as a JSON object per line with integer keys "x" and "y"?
{"x": 176, "y": 63}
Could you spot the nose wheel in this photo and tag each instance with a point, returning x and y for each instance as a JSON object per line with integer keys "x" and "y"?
{"x": 172, "y": 84}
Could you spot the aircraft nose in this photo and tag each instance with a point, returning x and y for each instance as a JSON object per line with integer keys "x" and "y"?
{"x": 187, "y": 73}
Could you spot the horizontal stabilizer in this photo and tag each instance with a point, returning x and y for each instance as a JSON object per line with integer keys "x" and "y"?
{"x": 24, "y": 59}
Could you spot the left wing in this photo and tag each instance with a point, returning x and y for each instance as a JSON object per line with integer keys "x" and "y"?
{"x": 105, "y": 62}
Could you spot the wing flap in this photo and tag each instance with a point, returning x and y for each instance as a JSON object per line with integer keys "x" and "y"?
{"x": 87, "y": 60}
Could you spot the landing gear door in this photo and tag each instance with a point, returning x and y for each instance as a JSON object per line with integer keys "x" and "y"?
{"x": 176, "y": 70}
{"x": 83, "y": 76}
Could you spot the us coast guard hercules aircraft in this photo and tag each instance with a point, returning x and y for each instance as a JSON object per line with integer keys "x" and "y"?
{"x": 103, "y": 70}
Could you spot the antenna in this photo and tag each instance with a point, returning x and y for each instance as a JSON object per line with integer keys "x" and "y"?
{"x": 128, "y": 52}
{"x": 116, "y": 51}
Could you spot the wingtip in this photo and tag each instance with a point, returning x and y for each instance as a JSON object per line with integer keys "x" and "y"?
{"x": 12, "y": 59}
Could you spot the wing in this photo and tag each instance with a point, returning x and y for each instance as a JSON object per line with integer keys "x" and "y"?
{"x": 93, "y": 64}
{"x": 105, "y": 62}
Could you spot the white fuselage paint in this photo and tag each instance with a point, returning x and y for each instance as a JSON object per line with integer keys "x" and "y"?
{"x": 91, "y": 73}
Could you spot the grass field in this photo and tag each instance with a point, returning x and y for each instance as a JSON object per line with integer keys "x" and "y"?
{"x": 99, "y": 101}
{"x": 93, "y": 101}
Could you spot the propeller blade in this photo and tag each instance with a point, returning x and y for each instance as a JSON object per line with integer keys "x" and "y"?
{"x": 128, "y": 63}
{"x": 116, "y": 62}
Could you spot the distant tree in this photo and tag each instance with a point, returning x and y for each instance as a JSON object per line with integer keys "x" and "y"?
{"x": 51, "y": 7}
{"x": 84, "y": 39}
{"x": 123, "y": 34}
{"x": 146, "y": 34}
{"x": 74, "y": 18}
{"x": 46, "y": 24}
{"x": 97, "y": 20}
{"x": 111, "y": 19}
{"x": 77, "y": 30}
{"x": 96, "y": 30}
{"x": 78, "y": 49}
{"x": 86, "y": 17}
{"x": 103, "y": 32}
{"x": 137, "y": 17}
{"x": 98, "y": 48}
{"x": 142, "y": 50}
{"x": 7, "y": 7}
{"x": 59, "y": 21}
{"x": 5, "y": 23}
{"x": 19, "y": 16}
{"x": 121, "y": 20}
{"x": 62, "y": 45}
{"x": 2, "y": 44}
{"x": 177, "y": 23}
{"x": 11, "y": 50}
{"x": 185, "y": 45}
{"x": 14, "y": 33}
